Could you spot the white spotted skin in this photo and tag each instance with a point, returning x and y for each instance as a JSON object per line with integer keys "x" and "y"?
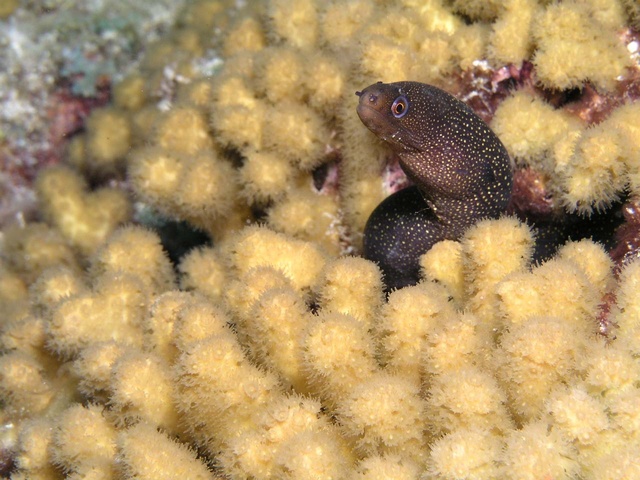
{"x": 459, "y": 165}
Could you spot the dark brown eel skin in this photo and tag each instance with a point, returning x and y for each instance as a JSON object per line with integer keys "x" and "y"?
{"x": 460, "y": 170}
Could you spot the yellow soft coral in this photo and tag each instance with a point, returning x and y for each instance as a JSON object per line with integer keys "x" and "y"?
{"x": 108, "y": 139}
{"x": 84, "y": 218}
{"x": 574, "y": 46}
{"x": 149, "y": 454}
{"x": 266, "y": 352}
{"x": 529, "y": 127}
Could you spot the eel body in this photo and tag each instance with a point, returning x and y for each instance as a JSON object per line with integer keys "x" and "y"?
{"x": 460, "y": 170}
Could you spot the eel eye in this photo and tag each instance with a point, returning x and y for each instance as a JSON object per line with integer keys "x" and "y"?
{"x": 400, "y": 106}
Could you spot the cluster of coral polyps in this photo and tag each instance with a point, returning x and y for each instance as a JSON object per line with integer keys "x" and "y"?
{"x": 276, "y": 360}
{"x": 269, "y": 355}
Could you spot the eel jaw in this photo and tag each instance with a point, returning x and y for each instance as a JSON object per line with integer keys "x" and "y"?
{"x": 373, "y": 110}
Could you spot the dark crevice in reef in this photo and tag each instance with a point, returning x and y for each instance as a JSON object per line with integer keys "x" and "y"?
{"x": 179, "y": 237}
{"x": 320, "y": 175}
{"x": 234, "y": 156}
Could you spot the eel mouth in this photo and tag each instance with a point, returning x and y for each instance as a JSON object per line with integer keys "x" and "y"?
{"x": 370, "y": 109}
{"x": 382, "y": 126}
{"x": 372, "y": 98}
{"x": 373, "y": 119}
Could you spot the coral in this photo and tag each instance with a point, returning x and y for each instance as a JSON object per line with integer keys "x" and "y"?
{"x": 31, "y": 249}
{"x": 529, "y": 127}
{"x": 627, "y": 316}
{"x": 84, "y": 218}
{"x": 170, "y": 459}
{"x": 108, "y": 138}
{"x": 387, "y": 466}
{"x": 57, "y": 61}
{"x": 96, "y": 448}
{"x": 405, "y": 323}
{"x": 573, "y": 33}
{"x": 8, "y": 8}
{"x": 271, "y": 349}
{"x": 157, "y": 172}
{"x": 534, "y": 451}
{"x": 510, "y": 39}
{"x": 465, "y": 453}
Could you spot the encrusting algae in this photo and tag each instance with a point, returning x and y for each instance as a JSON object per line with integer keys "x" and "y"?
{"x": 273, "y": 351}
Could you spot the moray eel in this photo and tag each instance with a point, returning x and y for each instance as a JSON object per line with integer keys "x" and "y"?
{"x": 460, "y": 170}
